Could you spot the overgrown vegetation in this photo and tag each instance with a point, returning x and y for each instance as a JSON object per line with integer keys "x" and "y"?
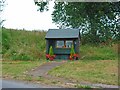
{"x": 30, "y": 45}
{"x": 23, "y": 45}
{"x": 88, "y": 52}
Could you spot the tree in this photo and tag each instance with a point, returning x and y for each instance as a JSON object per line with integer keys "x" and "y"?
{"x": 43, "y": 5}
{"x": 2, "y": 4}
{"x": 98, "y": 19}
{"x": 99, "y": 22}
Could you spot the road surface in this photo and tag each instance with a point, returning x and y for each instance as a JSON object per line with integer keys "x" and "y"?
{"x": 22, "y": 84}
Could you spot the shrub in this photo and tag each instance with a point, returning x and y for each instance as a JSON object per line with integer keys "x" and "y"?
{"x": 73, "y": 55}
{"x": 51, "y": 55}
{"x": 72, "y": 52}
{"x": 51, "y": 51}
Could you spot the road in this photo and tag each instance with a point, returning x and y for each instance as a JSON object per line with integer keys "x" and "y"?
{"x": 22, "y": 84}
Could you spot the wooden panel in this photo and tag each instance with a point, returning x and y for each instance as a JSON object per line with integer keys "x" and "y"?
{"x": 62, "y": 53}
{"x": 63, "y": 57}
{"x": 62, "y": 50}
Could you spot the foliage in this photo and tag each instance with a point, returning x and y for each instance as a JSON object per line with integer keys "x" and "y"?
{"x": 5, "y": 41}
{"x": 73, "y": 55}
{"x": 2, "y": 5}
{"x": 51, "y": 55}
{"x": 90, "y": 52}
{"x": 51, "y": 51}
{"x": 22, "y": 56}
{"x": 72, "y": 52}
{"x": 0, "y": 41}
{"x": 98, "y": 21}
{"x": 43, "y": 6}
{"x": 23, "y": 45}
{"x": 30, "y": 45}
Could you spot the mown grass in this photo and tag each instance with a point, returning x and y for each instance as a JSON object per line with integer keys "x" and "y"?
{"x": 89, "y": 71}
{"x": 18, "y": 69}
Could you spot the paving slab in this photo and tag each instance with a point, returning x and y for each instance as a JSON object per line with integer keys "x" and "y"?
{"x": 43, "y": 69}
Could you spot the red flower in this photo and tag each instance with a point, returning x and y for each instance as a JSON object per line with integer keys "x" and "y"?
{"x": 50, "y": 57}
{"x": 76, "y": 55}
{"x": 73, "y": 57}
{"x": 47, "y": 56}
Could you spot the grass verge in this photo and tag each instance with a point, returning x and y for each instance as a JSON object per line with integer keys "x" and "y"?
{"x": 86, "y": 71}
{"x": 89, "y": 71}
{"x": 18, "y": 69}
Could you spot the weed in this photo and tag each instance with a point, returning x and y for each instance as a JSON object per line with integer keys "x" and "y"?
{"x": 28, "y": 78}
{"x": 83, "y": 86}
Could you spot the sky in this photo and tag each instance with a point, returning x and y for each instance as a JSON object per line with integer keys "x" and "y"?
{"x": 21, "y": 14}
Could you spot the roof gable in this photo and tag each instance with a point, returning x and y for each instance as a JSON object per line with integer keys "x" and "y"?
{"x": 62, "y": 33}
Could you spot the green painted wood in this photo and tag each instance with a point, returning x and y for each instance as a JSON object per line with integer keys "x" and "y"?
{"x": 62, "y": 50}
{"x": 62, "y": 33}
{"x": 62, "y": 53}
{"x": 63, "y": 57}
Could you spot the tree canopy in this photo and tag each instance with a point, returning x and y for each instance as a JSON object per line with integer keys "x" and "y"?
{"x": 2, "y": 5}
{"x": 98, "y": 21}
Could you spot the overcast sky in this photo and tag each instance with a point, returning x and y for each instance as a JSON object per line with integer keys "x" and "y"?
{"x": 21, "y": 14}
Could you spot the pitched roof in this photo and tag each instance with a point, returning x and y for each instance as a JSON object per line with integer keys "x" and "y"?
{"x": 62, "y": 33}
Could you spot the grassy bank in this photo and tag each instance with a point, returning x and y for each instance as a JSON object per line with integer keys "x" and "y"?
{"x": 89, "y": 52}
{"x": 23, "y": 45}
{"x": 30, "y": 45}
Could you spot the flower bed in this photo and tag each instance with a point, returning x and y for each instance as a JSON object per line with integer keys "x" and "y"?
{"x": 74, "y": 57}
{"x": 50, "y": 57}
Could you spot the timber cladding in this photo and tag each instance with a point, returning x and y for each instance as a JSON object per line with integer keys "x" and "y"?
{"x": 62, "y": 40}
